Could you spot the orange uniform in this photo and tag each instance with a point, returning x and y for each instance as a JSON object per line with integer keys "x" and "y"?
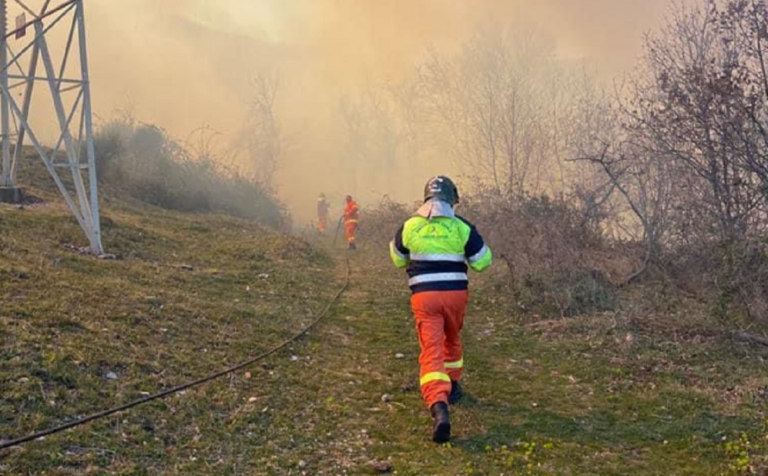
{"x": 439, "y": 320}
{"x": 350, "y": 220}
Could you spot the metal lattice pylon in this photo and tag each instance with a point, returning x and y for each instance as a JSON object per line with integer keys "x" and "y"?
{"x": 69, "y": 88}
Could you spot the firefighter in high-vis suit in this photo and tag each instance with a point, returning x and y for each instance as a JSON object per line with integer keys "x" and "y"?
{"x": 435, "y": 246}
{"x": 351, "y": 211}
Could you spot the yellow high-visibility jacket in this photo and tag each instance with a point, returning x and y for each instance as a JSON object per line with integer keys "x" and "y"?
{"x": 436, "y": 251}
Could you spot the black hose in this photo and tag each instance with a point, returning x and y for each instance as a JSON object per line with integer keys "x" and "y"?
{"x": 179, "y": 388}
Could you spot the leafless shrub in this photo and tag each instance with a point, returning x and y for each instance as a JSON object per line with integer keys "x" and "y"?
{"x": 559, "y": 259}
{"x": 380, "y": 222}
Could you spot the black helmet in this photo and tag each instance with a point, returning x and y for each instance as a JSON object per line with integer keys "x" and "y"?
{"x": 441, "y": 188}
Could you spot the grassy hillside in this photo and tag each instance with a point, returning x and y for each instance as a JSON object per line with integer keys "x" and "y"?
{"x": 650, "y": 390}
{"x": 188, "y": 295}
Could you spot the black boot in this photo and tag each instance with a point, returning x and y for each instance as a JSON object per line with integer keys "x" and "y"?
{"x": 456, "y": 393}
{"x": 352, "y": 246}
{"x": 441, "y": 429}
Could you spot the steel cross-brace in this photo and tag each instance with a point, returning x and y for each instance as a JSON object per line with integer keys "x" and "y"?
{"x": 73, "y": 155}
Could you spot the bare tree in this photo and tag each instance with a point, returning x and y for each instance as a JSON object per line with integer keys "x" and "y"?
{"x": 645, "y": 184}
{"x": 685, "y": 144}
{"x": 741, "y": 26}
{"x": 261, "y": 136}
{"x": 688, "y": 111}
{"x": 356, "y": 146}
{"x": 504, "y": 108}
{"x": 382, "y": 133}
{"x": 643, "y": 181}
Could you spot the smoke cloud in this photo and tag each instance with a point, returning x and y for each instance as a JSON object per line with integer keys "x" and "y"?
{"x": 183, "y": 64}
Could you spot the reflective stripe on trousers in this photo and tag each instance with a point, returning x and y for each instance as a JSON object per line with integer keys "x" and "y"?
{"x": 432, "y": 376}
{"x": 455, "y": 365}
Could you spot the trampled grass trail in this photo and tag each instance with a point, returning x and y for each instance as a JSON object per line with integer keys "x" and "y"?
{"x": 620, "y": 394}
{"x": 603, "y": 394}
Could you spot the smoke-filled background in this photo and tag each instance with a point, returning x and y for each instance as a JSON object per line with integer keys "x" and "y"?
{"x": 183, "y": 64}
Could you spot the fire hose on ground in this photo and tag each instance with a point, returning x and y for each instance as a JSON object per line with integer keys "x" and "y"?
{"x": 165, "y": 393}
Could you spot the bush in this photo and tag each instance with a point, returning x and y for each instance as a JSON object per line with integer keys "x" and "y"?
{"x": 730, "y": 277}
{"x": 558, "y": 257}
{"x": 379, "y": 223}
{"x": 143, "y": 162}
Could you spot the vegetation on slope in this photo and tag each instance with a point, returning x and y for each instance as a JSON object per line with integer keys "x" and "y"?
{"x": 187, "y": 296}
{"x": 143, "y": 162}
{"x": 650, "y": 389}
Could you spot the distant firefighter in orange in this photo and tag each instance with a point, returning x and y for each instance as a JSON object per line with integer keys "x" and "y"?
{"x": 350, "y": 221}
{"x": 322, "y": 213}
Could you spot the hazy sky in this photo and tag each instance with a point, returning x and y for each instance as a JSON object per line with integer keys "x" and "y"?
{"x": 186, "y": 63}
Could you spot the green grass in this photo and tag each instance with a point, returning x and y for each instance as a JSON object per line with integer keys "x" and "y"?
{"x": 637, "y": 393}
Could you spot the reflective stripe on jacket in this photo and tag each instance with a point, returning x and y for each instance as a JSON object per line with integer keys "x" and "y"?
{"x": 436, "y": 252}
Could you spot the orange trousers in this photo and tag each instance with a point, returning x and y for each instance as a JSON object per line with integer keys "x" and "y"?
{"x": 322, "y": 223}
{"x": 350, "y": 227}
{"x": 439, "y": 320}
